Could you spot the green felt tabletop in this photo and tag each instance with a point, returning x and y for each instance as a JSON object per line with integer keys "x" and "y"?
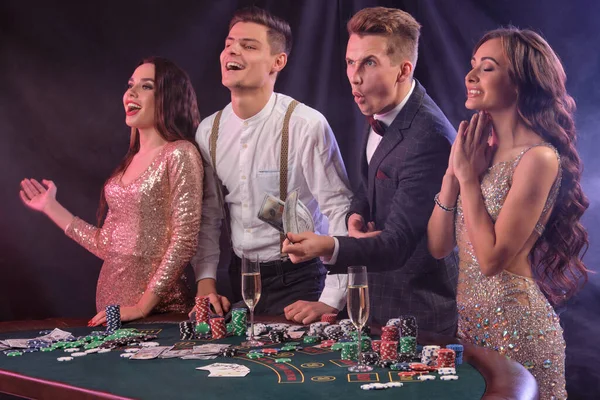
{"x": 311, "y": 373}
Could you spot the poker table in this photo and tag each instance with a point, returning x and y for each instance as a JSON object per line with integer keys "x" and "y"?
{"x": 311, "y": 373}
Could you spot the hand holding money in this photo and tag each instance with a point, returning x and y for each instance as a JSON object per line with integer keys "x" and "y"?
{"x": 307, "y": 245}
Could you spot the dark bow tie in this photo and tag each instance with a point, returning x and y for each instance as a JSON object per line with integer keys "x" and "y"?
{"x": 378, "y": 126}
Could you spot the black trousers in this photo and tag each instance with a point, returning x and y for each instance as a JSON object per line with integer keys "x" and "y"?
{"x": 283, "y": 283}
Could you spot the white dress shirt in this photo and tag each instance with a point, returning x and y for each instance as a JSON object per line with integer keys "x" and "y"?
{"x": 372, "y": 143}
{"x": 248, "y": 153}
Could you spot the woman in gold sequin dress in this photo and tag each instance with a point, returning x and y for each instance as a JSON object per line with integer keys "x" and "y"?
{"x": 154, "y": 199}
{"x": 511, "y": 201}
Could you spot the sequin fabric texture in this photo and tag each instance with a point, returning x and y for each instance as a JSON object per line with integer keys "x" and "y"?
{"x": 508, "y": 312}
{"x": 150, "y": 232}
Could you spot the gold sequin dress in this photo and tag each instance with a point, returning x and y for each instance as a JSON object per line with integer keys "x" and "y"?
{"x": 508, "y": 312}
{"x": 150, "y": 232}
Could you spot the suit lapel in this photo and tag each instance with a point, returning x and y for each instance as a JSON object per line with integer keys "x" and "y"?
{"x": 393, "y": 135}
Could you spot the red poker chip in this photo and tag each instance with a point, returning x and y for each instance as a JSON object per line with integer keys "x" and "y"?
{"x": 407, "y": 373}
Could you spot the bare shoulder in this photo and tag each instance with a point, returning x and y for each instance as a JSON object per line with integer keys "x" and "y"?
{"x": 541, "y": 162}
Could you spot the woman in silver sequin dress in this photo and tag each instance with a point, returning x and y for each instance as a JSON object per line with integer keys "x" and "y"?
{"x": 153, "y": 198}
{"x": 510, "y": 197}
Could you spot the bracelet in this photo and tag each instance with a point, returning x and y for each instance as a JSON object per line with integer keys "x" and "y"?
{"x": 436, "y": 198}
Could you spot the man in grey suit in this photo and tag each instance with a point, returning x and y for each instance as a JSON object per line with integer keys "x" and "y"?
{"x": 405, "y": 155}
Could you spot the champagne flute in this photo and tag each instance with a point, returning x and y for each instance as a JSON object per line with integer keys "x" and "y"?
{"x": 251, "y": 289}
{"x": 358, "y": 308}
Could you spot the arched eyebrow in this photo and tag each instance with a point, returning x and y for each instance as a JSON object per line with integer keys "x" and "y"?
{"x": 486, "y": 58}
{"x": 142, "y": 80}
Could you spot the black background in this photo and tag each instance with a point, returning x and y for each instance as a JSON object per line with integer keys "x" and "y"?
{"x": 64, "y": 67}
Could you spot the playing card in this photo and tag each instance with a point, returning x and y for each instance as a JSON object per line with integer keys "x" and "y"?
{"x": 176, "y": 353}
{"x": 209, "y": 349}
{"x": 150, "y": 353}
{"x": 225, "y": 370}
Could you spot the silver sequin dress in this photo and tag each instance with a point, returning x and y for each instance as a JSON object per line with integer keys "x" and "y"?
{"x": 508, "y": 312}
{"x": 150, "y": 232}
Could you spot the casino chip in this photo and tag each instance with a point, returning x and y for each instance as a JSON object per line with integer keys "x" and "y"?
{"x": 65, "y": 358}
{"x": 131, "y": 350}
{"x": 71, "y": 350}
{"x": 79, "y": 354}
{"x": 126, "y": 355}
{"x": 100, "y": 351}
{"x": 426, "y": 377}
{"x": 449, "y": 377}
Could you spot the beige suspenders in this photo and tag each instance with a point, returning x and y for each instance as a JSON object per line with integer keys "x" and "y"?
{"x": 283, "y": 158}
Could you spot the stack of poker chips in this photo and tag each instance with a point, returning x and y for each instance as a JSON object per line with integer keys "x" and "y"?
{"x": 446, "y": 358}
{"x": 400, "y": 366}
{"x": 376, "y": 346}
{"x": 202, "y": 330}
{"x": 458, "y": 350}
{"x": 113, "y": 317}
{"x": 369, "y": 358}
{"x": 202, "y": 308}
{"x": 186, "y": 330}
{"x": 347, "y": 326}
{"x": 389, "y": 350}
{"x": 218, "y": 328}
{"x": 239, "y": 320}
{"x": 408, "y": 345}
{"x": 333, "y": 332}
{"x": 350, "y": 351}
{"x": 429, "y": 355}
{"x": 408, "y": 326}
{"x": 277, "y": 336}
{"x": 318, "y": 329}
{"x": 311, "y": 339}
{"x": 329, "y": 318}
{"x": 390, "y": 333}
{"x": 229, "y": 352}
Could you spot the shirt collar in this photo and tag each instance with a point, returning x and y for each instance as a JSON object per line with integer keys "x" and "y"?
{"x": 262, "y": 114}
{"x": 389, "y": 117}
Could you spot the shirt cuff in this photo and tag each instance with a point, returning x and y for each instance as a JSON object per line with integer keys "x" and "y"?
{"x": 203, "y": 271}
{"x": 334, "y": 293}
{"x": 336, "y": 250}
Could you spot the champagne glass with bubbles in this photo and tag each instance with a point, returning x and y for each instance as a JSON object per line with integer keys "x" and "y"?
{"x": 251, "y": 289}
{"x": 358, "y": 308}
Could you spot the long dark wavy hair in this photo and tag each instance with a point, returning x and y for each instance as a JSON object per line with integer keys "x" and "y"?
{"x": 176, "y": 115}
{"x": 547, "y": 108}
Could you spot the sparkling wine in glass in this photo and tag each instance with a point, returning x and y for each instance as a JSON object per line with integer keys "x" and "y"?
{"x": 251, "y": 289}
{"x": 358, "y": 308}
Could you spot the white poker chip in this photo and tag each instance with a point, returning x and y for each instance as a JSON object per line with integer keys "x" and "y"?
{"x": 426, "y": 377}
{"x": 149, "y": 344}
{"x": 90, "y": 351}
{"x": 79, "y": 354}
{"x": 131, "y": 350}
{"x": 446, "y": 371}
{"x": 100, "y": 351}
{"x": 394, "y": 384}
{"x": 65, "y": 358}
{"x": 373, "y": 386}
{"x": 126, "y": 355}
{"x": 449, "y": 377}
{"x": 71, "y": 350}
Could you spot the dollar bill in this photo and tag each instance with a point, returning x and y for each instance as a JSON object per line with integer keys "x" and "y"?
{"x": 271, "y": 212}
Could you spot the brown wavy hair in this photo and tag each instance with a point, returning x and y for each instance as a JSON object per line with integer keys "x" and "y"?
{"x": 547, "y": 108}
{"x": 176, "y": 115}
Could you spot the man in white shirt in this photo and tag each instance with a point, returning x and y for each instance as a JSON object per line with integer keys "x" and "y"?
{"x": 248, "y": 148}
